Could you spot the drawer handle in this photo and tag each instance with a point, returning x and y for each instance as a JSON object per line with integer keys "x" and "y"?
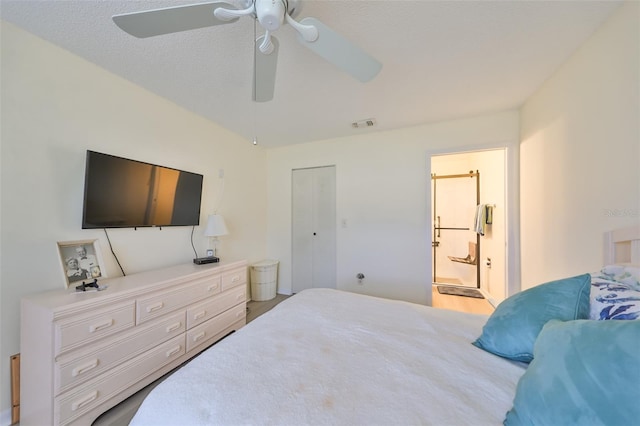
{"x": 155, "y": 307}
{"x": 173, "y": 351}
{"x": 240, "y": 296}
{"x": 235, "y": 279}
{"x": 84, "y": 401}
{"x": 198, "y": 336}
{"x": 84, "y": 368}
{"x": 173, "y": 327}
{"x": 199, "y": 315}
{"x": 212, "y": 287}
{"x": 239, "y": 314}
{"x": 97, "y": 327}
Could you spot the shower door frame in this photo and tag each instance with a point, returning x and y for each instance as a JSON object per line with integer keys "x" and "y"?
{"x": 436, "y": 222}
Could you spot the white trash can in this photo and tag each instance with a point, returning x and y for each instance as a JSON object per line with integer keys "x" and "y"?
{"x": 264, "y": 279}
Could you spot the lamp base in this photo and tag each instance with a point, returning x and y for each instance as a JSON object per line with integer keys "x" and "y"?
{"x": 205, "y": 260}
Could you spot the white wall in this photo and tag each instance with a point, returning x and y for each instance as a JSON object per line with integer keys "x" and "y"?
{"x": 55, "y": 106}
{"x": 580, "y": 151}
{"x": 383, "y": 194}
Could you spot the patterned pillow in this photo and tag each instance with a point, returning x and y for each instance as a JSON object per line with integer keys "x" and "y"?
{"x": 615, "y": 293}
{"x": 622, "y": 274}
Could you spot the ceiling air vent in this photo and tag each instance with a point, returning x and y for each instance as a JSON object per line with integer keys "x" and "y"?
{"x": 369, "y": 122}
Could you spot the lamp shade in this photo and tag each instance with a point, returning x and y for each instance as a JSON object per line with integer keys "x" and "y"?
{"x": 215, "y": 226}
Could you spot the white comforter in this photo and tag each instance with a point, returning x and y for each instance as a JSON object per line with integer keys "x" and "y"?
{"x": 328, "y": 357}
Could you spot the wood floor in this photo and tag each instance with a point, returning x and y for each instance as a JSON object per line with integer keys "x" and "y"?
{"x": 122, "y": 414}
{"x": 255, "y": 309}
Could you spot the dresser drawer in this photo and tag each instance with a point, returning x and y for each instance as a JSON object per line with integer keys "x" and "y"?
{"x": 76, "y": 368}
{"x": 82, "y": 399}
{"x": 78, "y": 331}
{"x": 234, "y": 278}
{"x": 209, "y": 331}
{"x": 204, "y": 311}
{"x": 161, "y": 303}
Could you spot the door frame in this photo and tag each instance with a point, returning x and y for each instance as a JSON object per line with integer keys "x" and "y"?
{"x": 512, "y": 196}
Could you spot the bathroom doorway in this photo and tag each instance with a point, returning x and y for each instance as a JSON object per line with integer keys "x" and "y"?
{"x": 466, "y": 253}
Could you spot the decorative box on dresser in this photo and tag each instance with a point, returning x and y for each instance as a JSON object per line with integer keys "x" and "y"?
{"x": 84, "y": 352}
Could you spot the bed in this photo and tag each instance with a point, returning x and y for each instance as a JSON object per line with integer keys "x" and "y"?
{"x": 330, "y": 357}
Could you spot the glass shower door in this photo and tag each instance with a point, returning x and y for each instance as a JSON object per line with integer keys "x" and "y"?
{"x": 455, "y": 242}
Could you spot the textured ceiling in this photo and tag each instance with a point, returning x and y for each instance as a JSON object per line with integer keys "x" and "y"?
{"x": 441, "y": 60}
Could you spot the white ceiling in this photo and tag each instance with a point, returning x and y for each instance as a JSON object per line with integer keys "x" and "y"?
{"x": 441, "y": 60}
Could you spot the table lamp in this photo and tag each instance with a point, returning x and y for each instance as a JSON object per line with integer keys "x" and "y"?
{"x": 215, "y": 228}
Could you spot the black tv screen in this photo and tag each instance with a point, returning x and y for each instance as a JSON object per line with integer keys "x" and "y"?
{"x": 123, "y": 193}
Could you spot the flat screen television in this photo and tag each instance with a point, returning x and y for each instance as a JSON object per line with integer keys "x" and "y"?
{"x": 123, "y": 193}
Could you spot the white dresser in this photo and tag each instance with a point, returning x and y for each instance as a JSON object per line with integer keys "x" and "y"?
{"x": 83, "y": 353}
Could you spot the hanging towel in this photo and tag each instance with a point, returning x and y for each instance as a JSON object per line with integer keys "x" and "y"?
{"x": 489, "y": 214}
{"x": 480, "y": 219}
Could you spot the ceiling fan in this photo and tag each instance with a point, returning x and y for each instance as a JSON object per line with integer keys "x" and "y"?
{"x": 270, "y": 15}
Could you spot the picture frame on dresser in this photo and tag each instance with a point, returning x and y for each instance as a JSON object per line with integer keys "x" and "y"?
{"x": 81, "y": 260}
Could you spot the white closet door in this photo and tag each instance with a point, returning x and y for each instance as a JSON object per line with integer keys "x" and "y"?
{"x": 302, "y": 224}
{"x": 324, "y": 232}
{"x": 313, "y": 228}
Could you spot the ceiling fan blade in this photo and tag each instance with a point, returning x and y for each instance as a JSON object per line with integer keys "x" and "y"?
{"x": 172, "y": 19}
{"x": 264, "y": 71}
{"x": 341, "y": 52}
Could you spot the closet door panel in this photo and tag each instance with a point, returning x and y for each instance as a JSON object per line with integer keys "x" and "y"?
{"x": 302, "y": 225}
{"x": 324, "y": 219}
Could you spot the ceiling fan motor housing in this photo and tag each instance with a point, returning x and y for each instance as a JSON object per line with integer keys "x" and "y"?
{"x": 270, "y": 13}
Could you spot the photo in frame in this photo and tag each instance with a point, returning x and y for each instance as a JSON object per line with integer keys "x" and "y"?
{"x": 81, "y": 260}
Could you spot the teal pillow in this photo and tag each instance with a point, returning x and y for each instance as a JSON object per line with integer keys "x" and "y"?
{"x": 583, "y": 373}
{"x": 513, "y": 327}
